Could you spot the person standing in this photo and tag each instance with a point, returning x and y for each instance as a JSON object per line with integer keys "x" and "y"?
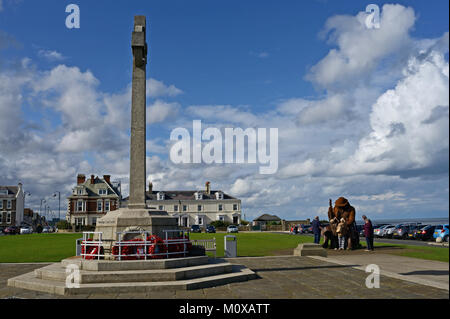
{"x": 368, "y": 232}
{"x": 341, "y": 231}
{"x": 316, "y": 229}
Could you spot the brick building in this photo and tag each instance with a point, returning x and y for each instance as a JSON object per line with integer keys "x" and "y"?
{"x": 92, "y": 199}
{"x": 12, "y": 201}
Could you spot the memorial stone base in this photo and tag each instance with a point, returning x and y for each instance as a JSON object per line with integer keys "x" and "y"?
{"x": 131, "y": 276}
{"x": 310, "y": 250}
{"x": 125, "y": 219}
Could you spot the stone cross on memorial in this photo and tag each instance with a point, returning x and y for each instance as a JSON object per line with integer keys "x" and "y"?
{"x": 138, "y": 115}
{"x": 137, "y": 216}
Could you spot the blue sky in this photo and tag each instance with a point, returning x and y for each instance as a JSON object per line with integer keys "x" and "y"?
{"x": 253, "y": 63}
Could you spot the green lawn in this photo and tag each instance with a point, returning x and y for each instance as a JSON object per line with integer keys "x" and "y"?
{"x": 54, "y": 247}
{"x": 37, "y": 247}
{"x": 257, "y": 244}
{"x": 422, "y": 252}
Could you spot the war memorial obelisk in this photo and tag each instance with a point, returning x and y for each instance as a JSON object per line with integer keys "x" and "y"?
{"x": 137, "y": 216}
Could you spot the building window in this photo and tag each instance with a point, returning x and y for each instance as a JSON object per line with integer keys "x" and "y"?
{"x": 219, "y": 195}
{"x": 80, "y": 191}
{"x": 107, "y": 206}
{"x": 80, "y": 206}
{"x": 99, "y": 206}
{"x": 184, "y": 208}
{"x": 8, "y": 204}
{"x": 161, "y": 207}
{"x": 175, "y": 208}
{"x": 235, "y": 206}
{"x": 200, "y": 220}
{"x": 102, "y": 191}
{"x": 94, "y": 221}
{"x": 199, "y": 208}
{"x": 1, "y": 204}
{"x": 8, "y": 218}
{"x": 220, "y": 207}
{"x": 1, "y": 217}
{"x": 79, "y": 221}
{"x": 221, "y": 218}
{"x": 160, "y": 196}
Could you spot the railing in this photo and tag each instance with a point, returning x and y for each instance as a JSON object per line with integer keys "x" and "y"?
{"x": 208, "y": 244}
{"x": 121, "y": 247}
{"x": 87, "y": 242}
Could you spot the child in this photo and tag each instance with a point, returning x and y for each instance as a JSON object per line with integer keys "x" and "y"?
{"x": 340, "y": 230}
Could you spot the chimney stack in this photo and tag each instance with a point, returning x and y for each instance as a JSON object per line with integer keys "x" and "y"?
{"x": 81, "y": 179}
{"x": 208, "y": 188}
{"x": 92, "y": 179}
{"x": 150, "y": 187}
{"x": 107, "y": 178}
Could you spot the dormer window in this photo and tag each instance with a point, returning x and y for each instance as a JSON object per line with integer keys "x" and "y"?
{"x": 102, "y": 191}
{"x": 3, "y": 192}
{"x": 79, "y": 191}
{"x": 160, "y": 196}
{"x": 198, "y": 196}
{"x": 219, "y": 195}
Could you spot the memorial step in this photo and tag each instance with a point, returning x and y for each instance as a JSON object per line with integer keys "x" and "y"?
{"x": 115, "y": 265}
{"x": 29, "y": 281}
{"x": 57, "y": 272}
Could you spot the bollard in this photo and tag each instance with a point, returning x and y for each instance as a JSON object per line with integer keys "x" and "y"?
{"x": 230, "y": 246}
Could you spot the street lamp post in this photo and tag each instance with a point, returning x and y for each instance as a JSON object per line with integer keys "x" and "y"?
{"x": 40, "y": 207}
{"x": 59, "y": 204}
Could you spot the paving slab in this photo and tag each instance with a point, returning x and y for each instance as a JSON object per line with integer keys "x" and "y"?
{"x": 279, "y": 277}
{"x": 426, "y": 272}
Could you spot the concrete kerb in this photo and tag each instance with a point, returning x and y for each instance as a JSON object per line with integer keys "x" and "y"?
{"x": 387, "y": 273}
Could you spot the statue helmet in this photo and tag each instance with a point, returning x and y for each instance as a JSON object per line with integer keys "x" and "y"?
{"x": 341, "y": 202}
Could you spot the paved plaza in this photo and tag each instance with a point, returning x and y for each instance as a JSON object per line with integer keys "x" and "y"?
{"x": 280, "y": 277}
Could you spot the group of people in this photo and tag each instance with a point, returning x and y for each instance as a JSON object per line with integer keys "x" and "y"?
{"x": 341, "y": 232}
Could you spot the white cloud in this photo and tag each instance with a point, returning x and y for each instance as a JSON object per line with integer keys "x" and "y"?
{"x": 359, "y": 49}
{"x": 51, "y": 55}
{"x": 157, "y": 88}
{"x": 161, "y": 111}
{"x": 402, "y": 139}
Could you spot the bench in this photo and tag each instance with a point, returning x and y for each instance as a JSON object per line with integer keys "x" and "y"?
{"x": 208, "y": 244}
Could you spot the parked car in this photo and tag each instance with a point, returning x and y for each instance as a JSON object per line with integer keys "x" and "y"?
{"x": 441, "y": 231}
{"x": 47, "y": 229}
{"x": 232, "y": 229}
{"x": 196, "y": 229}
{"x": 413, "y": 229}
{"x": 303, "y": 229}
{"x": 401, "y": 231}
{"x": 210, "y": 229}
{"x": 424, "y": 233}
{"x": 360, "y": 230}
{"x": 11, "y": 230}
{"x": 26, "y": 230}
{"x": 379, "y": 231}
{"x": 389, "y": 233}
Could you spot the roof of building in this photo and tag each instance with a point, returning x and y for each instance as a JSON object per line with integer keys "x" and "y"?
{"x": 184, "y": 195}
{"x": 267, "y": 218}
{"x": 12, "y": 191}
{"x": 99, "y": 183}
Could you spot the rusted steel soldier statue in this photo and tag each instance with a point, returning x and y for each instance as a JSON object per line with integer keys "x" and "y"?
{"x": 343, "y": 209}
